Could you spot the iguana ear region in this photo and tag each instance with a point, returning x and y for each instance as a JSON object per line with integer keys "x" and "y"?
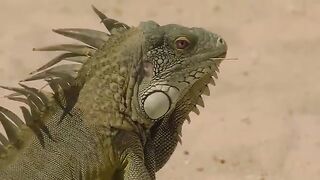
{"x": 148, "y": 69}
{"x": 157, "y": 104}
{"x": 159, "y": 101}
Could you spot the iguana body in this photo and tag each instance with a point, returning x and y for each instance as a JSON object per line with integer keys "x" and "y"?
{"x": 117, "y": 116}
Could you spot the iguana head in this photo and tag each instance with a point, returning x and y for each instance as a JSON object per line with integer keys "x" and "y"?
{"x": 177, "y": 65}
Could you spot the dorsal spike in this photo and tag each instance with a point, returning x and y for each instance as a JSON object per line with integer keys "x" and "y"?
{"x": 11, "y": 130}
{"x": 59, "y": 87}
{"x": 70, "y": 69}
{"x": 19, "y": 99}
{"x": 55, "y": 84}
{"x": 27, "y": 115}
{"x": 32, "y": 124}
{"x": 71, "y": 97}
{"x": 12, "y": 116}
{"x": 70, "y": 90}
{"x": 4, "y": 140}
{"x": 114, "y": 25}
{"x": 101, "y": 15}
{"x": 30, "y": 95}
{"x": 56, "y": 60}
{"x": 34, "y": 108}
{"x": 37, "y": 121}
{"x": 65, "y": 77}
{"x": 78, "y": 59}
{"x": 88, "y": 36}
{"x": 109, "y": 23}
{"x": 74, "y": 48}
{"x": 13, "y": 94}
{"x": 37, "y": 92}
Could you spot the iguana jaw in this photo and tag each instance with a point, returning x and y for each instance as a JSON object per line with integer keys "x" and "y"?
{"x": 161, "y": 100}
{"x": 191, "y": 96}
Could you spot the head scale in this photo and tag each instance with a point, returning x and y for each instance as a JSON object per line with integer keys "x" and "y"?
{"x": 177, "y": 65}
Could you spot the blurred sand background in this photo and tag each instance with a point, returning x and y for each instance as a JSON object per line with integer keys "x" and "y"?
{"x": 262, "y": 121}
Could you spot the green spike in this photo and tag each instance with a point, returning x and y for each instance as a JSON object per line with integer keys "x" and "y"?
{"x": 12, "y": 116}
{"x": 65, "y": 68}
{"x": 78, "y": 59}
{"x": 101, "y": 15}
{"x": 65, "y": 77}
{"x": 88, "y": 36}
{"x": 74, "y": 48}
{"x": 34, "y": 108}
{"x": 38, "y": 123}
{"x": 33, "y": 98}
{"x": 32, "y": 125}
{"x": 55, "y": 85}
{"x": 37, "y": 92}
{"x": 109, "y": 23}
{"x": 114, "y": 25}
{"x": 11, "y": 130}
{"x": 19, "y": 99}
{"x": 55, "y": 60}
{"x": 4, "y": 140}
{"x": 13, "y": 95}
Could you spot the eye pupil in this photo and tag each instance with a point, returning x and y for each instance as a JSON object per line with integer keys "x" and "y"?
{"x": 182, "y": 43}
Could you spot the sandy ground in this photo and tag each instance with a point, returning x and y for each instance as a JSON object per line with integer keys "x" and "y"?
{"x": 262, "y": 121}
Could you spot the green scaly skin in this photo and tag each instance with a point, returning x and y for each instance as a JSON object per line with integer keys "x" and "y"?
{"x": 118, "y": 113}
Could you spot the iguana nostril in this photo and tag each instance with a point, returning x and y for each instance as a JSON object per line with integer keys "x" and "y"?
{"x": 220, "y": 41}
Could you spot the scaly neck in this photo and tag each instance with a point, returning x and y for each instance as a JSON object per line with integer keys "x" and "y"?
{"x": 109, "y": 78}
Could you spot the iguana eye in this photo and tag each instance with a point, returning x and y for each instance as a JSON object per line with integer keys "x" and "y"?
{"x": 182, "y": 43}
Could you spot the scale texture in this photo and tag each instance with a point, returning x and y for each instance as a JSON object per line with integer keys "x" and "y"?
{"x": 117, "y": 106}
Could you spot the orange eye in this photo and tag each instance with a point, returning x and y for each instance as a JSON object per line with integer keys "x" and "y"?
{"x": 182, "y": 43}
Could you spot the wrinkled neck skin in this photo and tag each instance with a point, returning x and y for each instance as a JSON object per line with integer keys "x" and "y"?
{"x": 109, "y": 81}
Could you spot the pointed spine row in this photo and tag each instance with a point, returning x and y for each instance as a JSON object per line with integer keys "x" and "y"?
{"x": 61, "y": 79}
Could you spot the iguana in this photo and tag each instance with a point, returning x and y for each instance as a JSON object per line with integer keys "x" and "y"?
{"x": 117, "y": 106}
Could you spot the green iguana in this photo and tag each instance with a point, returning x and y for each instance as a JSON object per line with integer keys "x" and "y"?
{"x": 117, "y": 108}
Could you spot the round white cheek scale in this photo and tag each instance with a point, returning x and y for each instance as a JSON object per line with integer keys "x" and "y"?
{"x": 156, "y": 105}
